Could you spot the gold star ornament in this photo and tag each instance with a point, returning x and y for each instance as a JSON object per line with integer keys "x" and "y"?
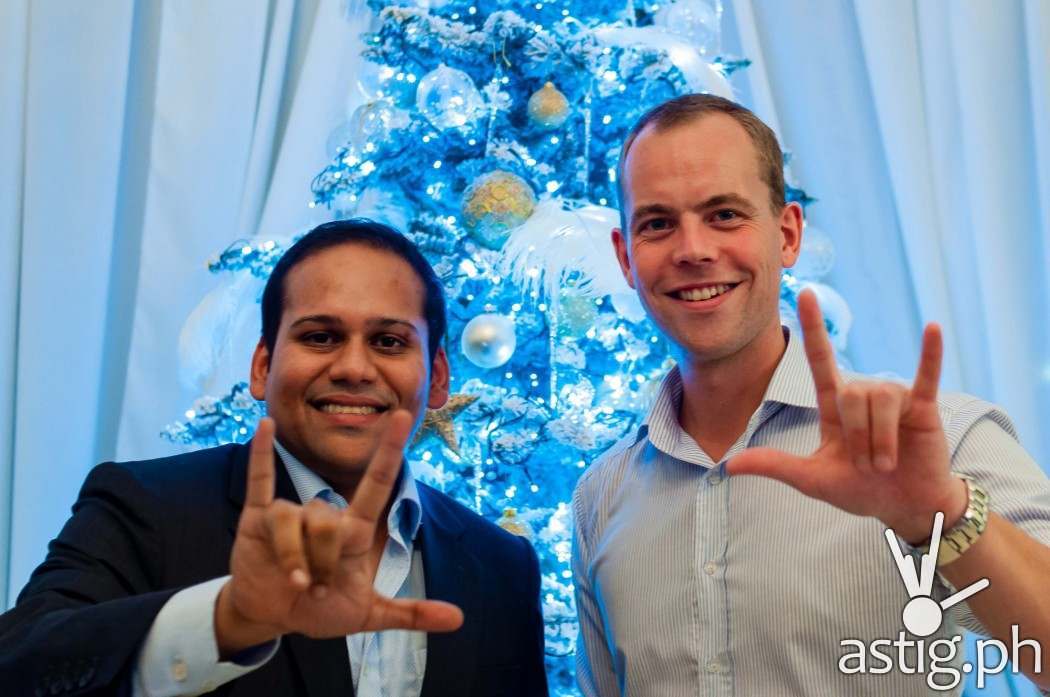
{"x": 438, "y": 422}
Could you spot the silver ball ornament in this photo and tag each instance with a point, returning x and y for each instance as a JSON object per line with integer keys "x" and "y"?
{"x": 489, "y": 340}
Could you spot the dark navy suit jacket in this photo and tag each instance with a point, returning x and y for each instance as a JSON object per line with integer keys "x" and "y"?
{"x": 142, "y": 531}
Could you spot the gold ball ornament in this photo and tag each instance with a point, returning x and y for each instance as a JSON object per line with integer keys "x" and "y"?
{"x": 576, "y": 313}
{"x": 548, "y": 107}
{"x": 494, "y": 204}
{"x": 510, "y": 522}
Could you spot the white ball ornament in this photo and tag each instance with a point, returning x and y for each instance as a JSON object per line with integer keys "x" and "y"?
{"x": 489, "y": 340}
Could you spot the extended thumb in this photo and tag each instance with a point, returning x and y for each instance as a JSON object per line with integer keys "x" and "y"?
{"x": 769, "y": 462}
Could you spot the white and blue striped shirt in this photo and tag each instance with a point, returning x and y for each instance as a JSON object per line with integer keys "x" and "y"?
{"x": 692, "y": 583}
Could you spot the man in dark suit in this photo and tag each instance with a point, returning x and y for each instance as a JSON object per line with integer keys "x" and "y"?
{"x": 245, "y": 571}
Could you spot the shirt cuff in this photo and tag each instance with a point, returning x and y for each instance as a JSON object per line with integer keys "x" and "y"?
{"x": 180, "y": 655}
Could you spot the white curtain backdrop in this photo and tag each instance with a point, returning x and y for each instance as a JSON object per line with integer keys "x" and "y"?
{"x": 921, "y": 127}
{"x": 141, "y": 138}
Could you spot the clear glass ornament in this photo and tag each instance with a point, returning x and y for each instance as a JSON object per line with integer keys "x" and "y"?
{"x": 448, "y": 98}
{"x": 697, "y": 21}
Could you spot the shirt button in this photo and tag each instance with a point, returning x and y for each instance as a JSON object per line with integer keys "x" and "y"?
{"x": 179, "y": 670}
{"x": 710, "y": 568}
{"x": 714, "y": 667}
{"x": 714, "y": 480}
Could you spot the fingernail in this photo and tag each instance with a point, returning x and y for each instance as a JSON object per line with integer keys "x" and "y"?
{"x": 883, "y": 463}
{"x": 299, "y": 578}
{"x": 319, "y": 592}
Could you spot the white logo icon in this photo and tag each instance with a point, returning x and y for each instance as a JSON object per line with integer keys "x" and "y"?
{"x": 923, "y": 615}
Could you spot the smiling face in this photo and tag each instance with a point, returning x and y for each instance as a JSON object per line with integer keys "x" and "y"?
{"x": 351, "y": 347}
{"x": 704, "y": 248}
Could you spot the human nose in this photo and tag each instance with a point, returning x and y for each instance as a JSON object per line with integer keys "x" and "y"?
{"x": 353, "y": 364}
{"x": 695, "y": 243}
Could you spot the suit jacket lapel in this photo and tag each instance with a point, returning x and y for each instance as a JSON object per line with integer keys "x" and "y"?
{"x": 323, "y": 664}
{"x": 450, "y": 574}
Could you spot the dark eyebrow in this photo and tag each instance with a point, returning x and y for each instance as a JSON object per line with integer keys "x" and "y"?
{"x": 317, "y": 319}
{"x": 330, "y": 320}
{"x": 393, "y": 321}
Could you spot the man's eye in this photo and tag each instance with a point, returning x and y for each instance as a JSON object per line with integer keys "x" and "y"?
{"x": 725, "y": 215}
{"x": 656, "y": 225}
{"x": 320, "y": 338}
{"x": 389, "y": 341}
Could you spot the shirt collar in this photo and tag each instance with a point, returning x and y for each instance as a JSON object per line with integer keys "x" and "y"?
{"x": 406, "y": 513}
{"x": 791, "y": 384}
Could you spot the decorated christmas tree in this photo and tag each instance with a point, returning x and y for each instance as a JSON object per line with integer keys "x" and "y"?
{"x": 490, "y": 136}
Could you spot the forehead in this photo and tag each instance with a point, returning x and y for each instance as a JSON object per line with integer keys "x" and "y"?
{"x": 711, "y": 151}
{"x": 356, "y": 282}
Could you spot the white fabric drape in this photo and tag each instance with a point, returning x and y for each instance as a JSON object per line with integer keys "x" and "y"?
{"x": 921, "y": 128}
{"x": 152, "y": 136}
{"x": 64, "y": 73}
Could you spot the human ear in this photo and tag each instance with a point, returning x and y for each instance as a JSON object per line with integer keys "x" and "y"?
{"x": 260, "y": 370}
{"x": 791, "y": 224}
{"x": 619, "y": 241}
{"x": 439, "y": 380}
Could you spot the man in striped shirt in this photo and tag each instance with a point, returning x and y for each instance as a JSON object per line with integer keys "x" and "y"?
{"x": 692, "y": 579}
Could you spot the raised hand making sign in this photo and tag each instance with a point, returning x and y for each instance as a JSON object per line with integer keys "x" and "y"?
{"x": 882, "y": 447}
{"x": 309, "y": 569}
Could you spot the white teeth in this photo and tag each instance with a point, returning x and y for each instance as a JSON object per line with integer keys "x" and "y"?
{"x": 706, "y": 293}
{"x": 343, "y": 409}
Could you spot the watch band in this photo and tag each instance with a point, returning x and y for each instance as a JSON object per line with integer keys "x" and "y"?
{"x": 967, "y": 530}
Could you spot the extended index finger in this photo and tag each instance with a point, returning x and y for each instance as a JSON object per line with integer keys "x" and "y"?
{"x": 373, "y": 491}
{"x": 819, "y": 351}
{"x": 929, "y": 374}
{"x": 260, "y": 466}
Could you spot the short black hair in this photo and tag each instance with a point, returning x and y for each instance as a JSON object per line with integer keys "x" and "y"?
{"x": 355, "y": 231}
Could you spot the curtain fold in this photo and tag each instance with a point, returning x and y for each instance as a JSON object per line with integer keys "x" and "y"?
{"x": 920, "y": 127}
{"x": 14, "y": 24}
{"x": 76, "y": 64}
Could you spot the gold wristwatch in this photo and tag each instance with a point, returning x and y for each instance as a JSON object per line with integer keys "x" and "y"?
{"x": 967, "y": 530}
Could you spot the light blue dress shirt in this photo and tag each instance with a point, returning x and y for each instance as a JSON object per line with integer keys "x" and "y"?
{"x": 390, "y": 662}
{"x": 690, "y": 582}
{"x": 180, "y": 657}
